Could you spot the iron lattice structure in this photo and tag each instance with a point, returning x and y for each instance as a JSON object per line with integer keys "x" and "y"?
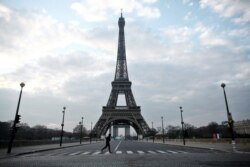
{"x": 121, "y": 115}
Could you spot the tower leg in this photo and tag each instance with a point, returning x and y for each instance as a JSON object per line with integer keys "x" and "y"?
{"x": 110, "y": 129}
{"x": 115, "y": 131}
{"x": 127, "y": 132}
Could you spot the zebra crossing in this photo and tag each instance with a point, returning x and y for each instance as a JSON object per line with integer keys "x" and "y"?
{"x": 118, "y": 152}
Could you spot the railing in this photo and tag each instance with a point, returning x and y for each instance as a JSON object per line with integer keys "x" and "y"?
{"x": 121, "y": 107}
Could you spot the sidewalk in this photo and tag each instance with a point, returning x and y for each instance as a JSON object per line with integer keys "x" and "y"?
{"x": 226, "y": 147}
{"x": 37, "y": 148}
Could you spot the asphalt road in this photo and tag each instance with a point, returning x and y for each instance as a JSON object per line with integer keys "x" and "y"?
{"x": 129, "y": 153}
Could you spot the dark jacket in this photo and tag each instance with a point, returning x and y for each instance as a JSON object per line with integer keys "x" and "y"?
{"x": 108, "y": 139}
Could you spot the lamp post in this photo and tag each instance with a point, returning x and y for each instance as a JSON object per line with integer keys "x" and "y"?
{"x": 62, "y": 126}
{"x": 153, "y": 131}
{"x": 162, "y": 130}
{"x": 229, "y": 115}
{"x": 17, "y": 120}
{"x": 183, "y": 135}
{"x": 90, "y": 137}
{"x": 81, "y": 124}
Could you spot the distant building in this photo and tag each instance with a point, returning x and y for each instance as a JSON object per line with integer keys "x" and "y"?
{"x": 242, "y": 127}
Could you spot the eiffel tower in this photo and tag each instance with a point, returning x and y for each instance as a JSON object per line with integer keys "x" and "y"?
{"x": 121, "y": 116}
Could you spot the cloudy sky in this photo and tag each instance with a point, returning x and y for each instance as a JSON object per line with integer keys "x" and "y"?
{"x": 178, "y": 53}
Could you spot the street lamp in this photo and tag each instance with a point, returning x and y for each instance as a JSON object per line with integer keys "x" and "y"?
{"x": 81, "y": 124}
{"x": 183, "y": 135}
{"x": 153, "y": 131}
{"x": 229, "y": 115}
{"x": 90, "y": 133}
{"x": 162, "y": 130}
{"x": 16, "y": 121}
{"x": 62, "y": 126}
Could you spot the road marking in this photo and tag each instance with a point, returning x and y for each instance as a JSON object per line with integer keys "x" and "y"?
{"x": 85, "y": 153}
{"x": 130, "y": 152}
{"x": 107, "y": 153}
{"x": 152, "y": 152}
{"x": 117, "y": 145}
{"x": 63, "y": 153}
{"x": 118, "y": 152}
{"x": 163, "y": 152}
{"x": 78, "y": 152}
{"x": 30, "y": 155}
{"x": 97, "y": 152}
{"x": 173, "y": 152}
{"x": 52, "y": 154}
{"x": 184, "y": 152}
{"x": 140, "y": 152}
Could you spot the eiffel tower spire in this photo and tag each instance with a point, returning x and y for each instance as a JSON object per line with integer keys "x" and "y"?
{"x": 121, "y": 73}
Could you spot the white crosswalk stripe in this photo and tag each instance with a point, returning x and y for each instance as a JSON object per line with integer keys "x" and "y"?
{"x": 129, "y": 152}
{"x": 152, "y": 152}
{"x": 97, "y": 152}
{"x": 163, "y": 152}
{"x": 78, "y": 152}
{"x": 173, "y": 152}
{"x": 52, "y": 154}
{"x": 30, "y": 155}
{"x": 85, "y": 153}
{"x": 184, "y": 152}
{"x": 107, "y": 153}
{"x": 140, "y": 152}
{"x": 65, "y": 153}
{"x": 118, "y": 152}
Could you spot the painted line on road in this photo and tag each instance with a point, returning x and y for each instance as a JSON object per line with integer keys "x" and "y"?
{"x": 107, "y": 153}
{"x": 171, "y": 151}
{"x": 163, "y": 152}
{"x": 78, "y": 152}
{"x": 152, "y": 152}
{"x": 117, "y": 145}
{"x": 184, "y": 152}
{"x": 63, "y": 153}
{"x": 53, "y": 154}
{"x": 140, "y": 152}
{"x": 85, "y": 153}
{"x": 95, "y": 153}
{"x": 118, "y": 152}
{"x": 130, "y": 152}
{"x": 31, "y": 155}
